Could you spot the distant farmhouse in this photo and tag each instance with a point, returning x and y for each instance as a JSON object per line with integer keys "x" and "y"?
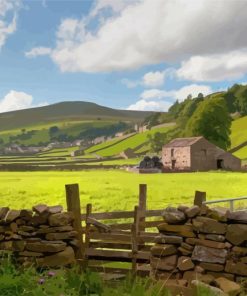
{"x": 197, "y": 154}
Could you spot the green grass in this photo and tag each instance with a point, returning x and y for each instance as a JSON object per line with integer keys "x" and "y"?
{"x": 72, "y": 128}
{"x": 121, "y": 162}
{"x": 116, "y": 190}
{"x": 239, "y": 135}
{"x": 131, "y": 142}
{"x": 241, "y": 153}
{"x": 59, "y": 152}
{"x": 103, "y": 145}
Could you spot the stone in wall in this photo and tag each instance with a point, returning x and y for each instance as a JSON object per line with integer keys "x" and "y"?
{"x": 173, "y": 216}
{"x": 208, "y": 225}
{"x": 209, "y": 255}
{"x": 236, "y": 233}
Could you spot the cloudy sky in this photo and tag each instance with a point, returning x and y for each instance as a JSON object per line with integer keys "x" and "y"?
{"x": 131, "y": 54}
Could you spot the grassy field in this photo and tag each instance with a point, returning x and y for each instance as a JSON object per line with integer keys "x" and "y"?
{"x": 238, "y": 129}
{"x": 116, "y": 190}
{"x": 130, "y": 142}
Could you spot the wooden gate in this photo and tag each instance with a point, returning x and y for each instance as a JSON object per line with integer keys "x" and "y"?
{"x": 109, "y": 240}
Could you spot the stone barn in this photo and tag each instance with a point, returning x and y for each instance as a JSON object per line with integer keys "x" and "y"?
{"x": 197, "y": 154}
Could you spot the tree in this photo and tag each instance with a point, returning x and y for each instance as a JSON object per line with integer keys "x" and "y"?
{"x": 212, "y": 121}
{"x": 152, "y": 119}
{"x": 175, "y": 109}
{"x": 241, "y": 103}
{"x": 189, "y": 107}
{"x": 53, "y": 130}
{"x": 157, "y": 141}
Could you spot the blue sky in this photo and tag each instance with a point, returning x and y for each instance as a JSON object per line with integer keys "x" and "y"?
{"x": 136, "y": 54}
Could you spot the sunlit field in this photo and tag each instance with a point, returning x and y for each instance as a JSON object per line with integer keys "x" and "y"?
{"x": 116, "y": 190}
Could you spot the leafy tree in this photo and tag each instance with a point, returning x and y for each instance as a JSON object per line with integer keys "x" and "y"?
{"x": 152, "y": 119}
{"x": 200, "y": 96}
{"x": 53, "y": 130}
{"x": 211, "y": 120}
{"x": 241, "y": 103}
{"x": 175, "y": 109}
{"x": 157, "y": 141}
{"x": 189, "y": 107}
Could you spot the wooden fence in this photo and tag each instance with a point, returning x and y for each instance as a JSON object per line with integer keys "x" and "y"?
{"x": 121, "y": 236}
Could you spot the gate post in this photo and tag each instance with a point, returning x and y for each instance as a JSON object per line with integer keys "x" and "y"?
{"x": 142, "y": 206}
{"x": 74, "y": 206}
{"x": 200, "y": 197}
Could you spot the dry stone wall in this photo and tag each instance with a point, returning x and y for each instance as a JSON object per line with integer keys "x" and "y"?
{"x": 43, "y": 235}
{"x": 201, "y": 243}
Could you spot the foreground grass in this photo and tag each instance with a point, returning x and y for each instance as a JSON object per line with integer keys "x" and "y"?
{"x": 73, "y": 282}
{"x": 115, "y": 189}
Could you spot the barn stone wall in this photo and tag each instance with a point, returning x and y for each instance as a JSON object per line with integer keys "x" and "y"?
{"x": 203, "y": 156}
{"x": 44, "y": 235}
{"x": 182, "y": 156}
{"x": 201, "y": 243}
{"x": 230, "y": 162}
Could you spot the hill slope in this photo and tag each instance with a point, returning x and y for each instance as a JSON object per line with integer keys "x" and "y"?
{"x": 66, "y": 111}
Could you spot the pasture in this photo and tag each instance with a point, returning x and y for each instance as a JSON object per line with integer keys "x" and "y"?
{"x": 116, "y": 190}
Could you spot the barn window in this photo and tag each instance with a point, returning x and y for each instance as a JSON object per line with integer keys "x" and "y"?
{"x": 172, "y": 152}
{"x": 204, "y": 152}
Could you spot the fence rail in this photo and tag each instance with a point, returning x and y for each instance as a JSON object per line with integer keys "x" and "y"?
{"x": 230, "y": 200}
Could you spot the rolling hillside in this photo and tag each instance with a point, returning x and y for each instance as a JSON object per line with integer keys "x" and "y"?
{"x": 64, "y": 112}
{"x": 239, "y": 136}
{"x": 73, "y": 120}
{"x": 135, "y": 142}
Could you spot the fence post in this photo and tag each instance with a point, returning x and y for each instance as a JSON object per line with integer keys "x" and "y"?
{"x": 134, "y": 240}
{"x": 200, "y": 197}
{"x": 74, "y": 206}
{"x": 142, "y": 206}
{"x": 87, "y": 236}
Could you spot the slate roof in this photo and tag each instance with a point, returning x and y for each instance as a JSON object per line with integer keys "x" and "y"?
{"x": 183, "y": 142}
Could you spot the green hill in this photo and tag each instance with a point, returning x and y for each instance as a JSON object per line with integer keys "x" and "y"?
{"x": 239, "y": 131}
{"x": 239, "y": 136}
{"x": 73, "y": 120}
{"x": 136, "y": 142}
{"x": 66, "y": 111}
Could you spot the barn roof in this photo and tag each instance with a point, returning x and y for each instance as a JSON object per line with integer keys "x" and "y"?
{"x": 183, "y": 142}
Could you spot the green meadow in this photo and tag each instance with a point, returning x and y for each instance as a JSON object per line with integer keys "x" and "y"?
{"x": 116, "y": 190}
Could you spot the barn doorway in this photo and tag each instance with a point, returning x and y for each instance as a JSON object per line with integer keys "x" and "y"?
{"x": 220, "y": 164}
{"x": 173, "y": 164}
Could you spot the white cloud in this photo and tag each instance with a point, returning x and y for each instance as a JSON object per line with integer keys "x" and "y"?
{"x": 38, "y": 51}
{"x": 155, "y": 94}
{"x": 193, "y": 89}
{"x": 218, "y": 67}
{"x": 115, "y": 5}
{"x": 130, "y": 83}
{"x": 8, "y": 16}
{"x": 15, "y": 100}
{"x": 150, "y": 32}
{"x": 152, "y": 79}
{"x": 143, "y": 105}
{"x": 161, "y": 100}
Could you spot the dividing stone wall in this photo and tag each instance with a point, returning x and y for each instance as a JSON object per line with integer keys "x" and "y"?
{"x": 43, "y": 235}
{"x": 201, "y": 243}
